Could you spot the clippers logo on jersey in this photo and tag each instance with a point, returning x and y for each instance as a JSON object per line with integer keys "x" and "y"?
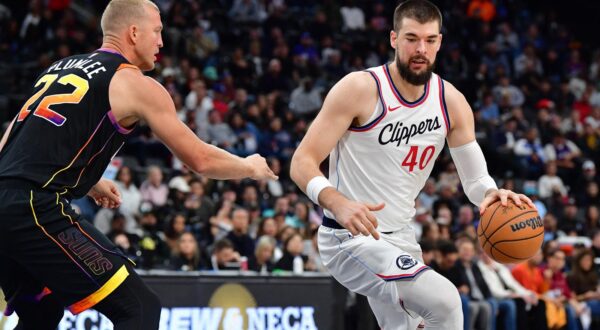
{"x": 405, "y": 262}
{"x": 85, "y": 250}
{"x": 397, "y": 132}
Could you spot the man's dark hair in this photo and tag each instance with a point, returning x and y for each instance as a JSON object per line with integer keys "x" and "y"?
{"x": 421, "y": 11}
{"x": 222, "y": 245}
{"x": 446, "y": 247}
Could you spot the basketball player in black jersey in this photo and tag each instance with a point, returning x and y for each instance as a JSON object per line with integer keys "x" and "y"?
{"x": 57, "y": 148}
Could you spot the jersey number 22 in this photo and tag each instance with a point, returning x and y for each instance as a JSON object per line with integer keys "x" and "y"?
{"x": 43, "y": 109}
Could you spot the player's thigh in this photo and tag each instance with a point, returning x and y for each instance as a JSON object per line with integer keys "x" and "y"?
{"x": 15, "y": 280}
{"x": 392, "y": 316}
{"x": 365, "y": 265}
{"x": 72, "y": 258}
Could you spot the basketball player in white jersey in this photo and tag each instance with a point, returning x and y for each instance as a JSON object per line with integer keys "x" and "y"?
{"x": 383, "y": 129}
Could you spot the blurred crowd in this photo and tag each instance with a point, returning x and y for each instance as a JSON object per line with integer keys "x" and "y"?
{"x": 249, "y": 76}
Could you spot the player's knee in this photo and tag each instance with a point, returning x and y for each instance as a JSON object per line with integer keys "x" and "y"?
{"x": 52, "y": 311}
{"x": 148, "y": 304}
{"x": 448, "y": 302}
{"x": 444, "y": 305}
{"x": 152, "y": 303}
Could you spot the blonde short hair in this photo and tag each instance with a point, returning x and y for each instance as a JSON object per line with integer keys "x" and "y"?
{"x": 122, "y": 13}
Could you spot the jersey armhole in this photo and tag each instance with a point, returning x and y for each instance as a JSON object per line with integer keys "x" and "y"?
{"x": 374, "y": 122}
{"x": 443, "y": 104}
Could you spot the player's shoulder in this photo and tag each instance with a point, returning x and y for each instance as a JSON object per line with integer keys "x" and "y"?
{"x": 134, "y": 81}
{"x": 449, "y": 89}
{"x": 355, "y": 84}
{"x": 357, "y": 79}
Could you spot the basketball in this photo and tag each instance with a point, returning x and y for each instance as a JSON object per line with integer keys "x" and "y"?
{"x": 510, "y": 234}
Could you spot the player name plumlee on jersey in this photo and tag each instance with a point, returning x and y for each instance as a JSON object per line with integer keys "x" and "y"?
{"x": 84, "y": 65}
{"x": 398, "y": 132}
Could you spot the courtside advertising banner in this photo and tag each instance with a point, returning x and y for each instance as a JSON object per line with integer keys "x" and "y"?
{"x": 230, "y": 303}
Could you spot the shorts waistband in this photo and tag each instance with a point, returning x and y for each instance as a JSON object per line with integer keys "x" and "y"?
{"x": 14, "y": 183}
{"x": 331, "y": 223}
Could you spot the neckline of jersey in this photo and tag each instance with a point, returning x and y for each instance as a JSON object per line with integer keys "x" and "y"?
{"x": 399, "y": 95}
{"x": 112, "y": 51}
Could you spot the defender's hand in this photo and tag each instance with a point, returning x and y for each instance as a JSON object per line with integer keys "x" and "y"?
{"x": 106, "y": 194}
{"x": 259, "y": 167}
{"x": 503, "y": 195}
{"x": 358, "y": 218}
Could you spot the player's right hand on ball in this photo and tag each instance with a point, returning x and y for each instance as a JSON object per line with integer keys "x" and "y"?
{"x": 358, "y": 218}
{"x": 260, "y": 168}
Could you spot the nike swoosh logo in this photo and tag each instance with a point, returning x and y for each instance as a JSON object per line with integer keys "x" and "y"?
{"x": 394, "y": 108}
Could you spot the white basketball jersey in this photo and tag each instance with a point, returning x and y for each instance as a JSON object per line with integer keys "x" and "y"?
{"x": 390, "y": 158}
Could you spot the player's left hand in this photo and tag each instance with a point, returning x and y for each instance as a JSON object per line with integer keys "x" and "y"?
{"x": 503, "y": 195}
{"x": 106, "y": 194}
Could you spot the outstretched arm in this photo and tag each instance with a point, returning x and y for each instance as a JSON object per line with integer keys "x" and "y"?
{"x": 133, "y": 95}
{"x": 470, "y": 163}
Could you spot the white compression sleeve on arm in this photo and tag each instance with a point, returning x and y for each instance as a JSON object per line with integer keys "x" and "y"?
{"x": 472, "y": 170}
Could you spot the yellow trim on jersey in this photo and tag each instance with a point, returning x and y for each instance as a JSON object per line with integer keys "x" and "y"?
{"x": 111, "y": 285}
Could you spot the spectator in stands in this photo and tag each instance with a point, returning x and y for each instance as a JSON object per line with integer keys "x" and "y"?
{"x": 551, "y": 231}
{"x": 129, "y": 243}
{"x": 429, "y": 251}
{"x": 529, "y": 275}
{"x": 519, "y": 308}
{"x": 176, "y": 226}
{"x": 263, "y": 255}
{"x": 589, "y": 195}
{"x": 447, "y": 265}
{"x": 490, "y": 112}
{"x": 130, "y": 196}
{"x": 353, "y": 16}
{"x": 494, "y": 61}
{"x": 428, "y": 195}
{"x": 273, "y": 80}
{"x": 238, "y": 236}
{"x": 200, "y": 103}
{"x": 466, "y": 219}
{"x": 571, "y": 222}
{"x": 583, "y": 281}
{"x": 187, "y": 256}
{"x": 592, "y": 218}
{"x": 247, "y": 11}
{"x": 153, "y": 189}
{"x": 527, "y": 59}
{"x": 551, "y": 184}
{"x": 293, "y": 246}
{"x": 475, "y": 287}
{"x": 248, "y": 135}
{"x": 306, "y": 99}
{"x": 219, "y": 132}
{"x": 431, "y": 232}
{"x": 558, "y": 296}
{"x": 565, "y": 152}
{"x": 199, "y": 208}
{"x": 224, "y": 256}
{"x": 154, "y": 250}
{"x": 484, "y": 10}
{"x": 530, "y": 152}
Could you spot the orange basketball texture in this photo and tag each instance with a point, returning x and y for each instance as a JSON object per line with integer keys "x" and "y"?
{"x": 510, "y": 234}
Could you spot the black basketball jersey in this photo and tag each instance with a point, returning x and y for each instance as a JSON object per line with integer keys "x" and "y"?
{"x": 66, "y": 134}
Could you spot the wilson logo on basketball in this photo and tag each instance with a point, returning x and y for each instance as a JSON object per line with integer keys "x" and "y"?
{"x": 533, "y": 223}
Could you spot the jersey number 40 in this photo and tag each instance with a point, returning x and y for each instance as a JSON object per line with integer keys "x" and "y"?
{"x": 43, "y": 109}
{"x": 410, "y": 160}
